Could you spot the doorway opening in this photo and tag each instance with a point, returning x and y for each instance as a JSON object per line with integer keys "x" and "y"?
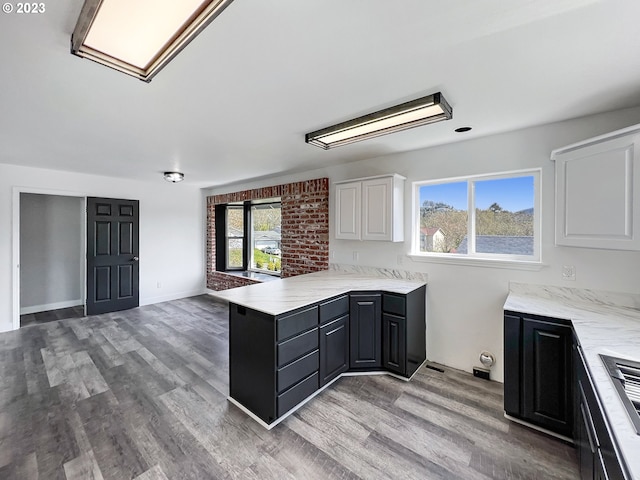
{"x": 51, "y": 257}
{"x": 73, "y": 255}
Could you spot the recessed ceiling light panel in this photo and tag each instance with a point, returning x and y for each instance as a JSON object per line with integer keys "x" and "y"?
{"x": 139, "y": 38}
{"x": 429, "y": 109}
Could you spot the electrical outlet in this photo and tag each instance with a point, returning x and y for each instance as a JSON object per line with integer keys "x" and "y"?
{"x": 355, "y": 256}
{"x": 159, "y": 285}
{"x": 568, "y": 272}
{"x": 400, "y": 259}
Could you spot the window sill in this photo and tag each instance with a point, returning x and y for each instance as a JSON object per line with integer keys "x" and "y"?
{"x": 479, "y": 262}
{"x": 259, "y": 277}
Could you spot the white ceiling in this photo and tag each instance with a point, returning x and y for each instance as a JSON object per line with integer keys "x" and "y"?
{"x": 236, "y": 103}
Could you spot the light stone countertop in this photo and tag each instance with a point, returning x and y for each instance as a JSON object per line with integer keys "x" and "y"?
{"x": 281, "y": 296}
{"x": 605, "y": 323}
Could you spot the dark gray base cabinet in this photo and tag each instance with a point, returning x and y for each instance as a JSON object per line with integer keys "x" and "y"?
{"x": 546, "y": 383}
{"x": 538, "y": 371}
{"x": 277, "y": 362}
{"x": 274, "y": 361}
{"x": 403, "y": 327}
{"x": 365, "y": 331}
{"x": 395, "y": 339}
{"x": 596, "y": 453}
{"x": 334, "y": 349}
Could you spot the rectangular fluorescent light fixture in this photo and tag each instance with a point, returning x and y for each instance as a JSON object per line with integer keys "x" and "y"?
{"x": 140, "y": 37}
{"x": 429, "y": 109}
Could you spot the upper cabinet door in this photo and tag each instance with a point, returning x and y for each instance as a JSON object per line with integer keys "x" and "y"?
{"x": 377, "y": 197}
{"x": 348, "y": 210}
{"x": 370, "y": 209}
{"x": 598, "y": 192}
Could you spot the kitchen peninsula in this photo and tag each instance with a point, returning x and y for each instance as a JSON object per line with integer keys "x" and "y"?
{"x": 291, "y": 338}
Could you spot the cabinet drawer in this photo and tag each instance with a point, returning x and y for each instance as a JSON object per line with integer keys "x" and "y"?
{"x": 393, "y": 304}
{"x": 296, "y": 371}
{"x": 297, "y": 346}
{"x": 334, "y": 308}
{"x": 296, "y": 323}
{"x": 297, "y": 393}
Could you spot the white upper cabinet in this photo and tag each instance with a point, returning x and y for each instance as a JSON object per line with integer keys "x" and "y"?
{"x": 598, "y": 192}
{"x": 370, "y": 209}
{"x": 348, "y": 210}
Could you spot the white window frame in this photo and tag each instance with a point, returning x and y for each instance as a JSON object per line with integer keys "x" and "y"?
{"x": 272, "y": 201}
{"x": 473, "y": 257}
{"x": 228, "y": 238}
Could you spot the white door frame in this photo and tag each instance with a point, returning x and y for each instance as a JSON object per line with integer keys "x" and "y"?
{"x": 16, "y": 242}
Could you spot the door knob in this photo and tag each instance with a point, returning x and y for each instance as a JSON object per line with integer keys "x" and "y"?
{"x": 135, "y": 259}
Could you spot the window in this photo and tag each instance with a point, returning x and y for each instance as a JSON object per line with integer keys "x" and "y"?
{"x": 490, "y": 216}
{"x": 249, "y": 238}
{"x": 265, "y": 238}
{"x": 235, "y": 254}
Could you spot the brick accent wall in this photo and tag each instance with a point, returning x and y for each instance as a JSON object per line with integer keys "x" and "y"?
{"x": 305, "y": 229}
{"x": 223, "y": 281}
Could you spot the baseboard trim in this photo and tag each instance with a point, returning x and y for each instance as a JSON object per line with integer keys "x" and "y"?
{"x": 172, "y": 296}
{"x": 50, "y": 306}
{"x": 540, "y": 429}
{"x": 269, "y": 426}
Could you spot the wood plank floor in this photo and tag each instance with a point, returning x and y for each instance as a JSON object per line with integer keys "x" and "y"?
{"x": 142, "y": 394}
{"x": 39, "y": 318}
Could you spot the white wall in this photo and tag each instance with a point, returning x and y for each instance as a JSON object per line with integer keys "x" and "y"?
{"x": 171, "y": 229}
{"x": 464, "y": 313}
{"x": 51, "y": 252}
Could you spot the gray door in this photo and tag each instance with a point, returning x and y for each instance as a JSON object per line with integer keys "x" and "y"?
{"x": 112, "y": 255}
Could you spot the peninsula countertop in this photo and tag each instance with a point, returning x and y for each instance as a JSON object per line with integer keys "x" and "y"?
{"x": 605, "y": 323}
{"x": 281, "y": 296}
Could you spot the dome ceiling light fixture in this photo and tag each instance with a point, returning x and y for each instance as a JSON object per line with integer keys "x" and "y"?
{"x": 421, "y": 111}
{"x": 173, "y": 177}
{"x": 139, "y": 38}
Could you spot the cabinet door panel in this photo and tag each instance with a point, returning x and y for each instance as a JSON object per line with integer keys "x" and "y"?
{"x": 348, "y": 210}
{"x": 610, "y": 218}
{"x": 512, "y": 370}
{"x": 585, "y": 442}
{"x": 394, "y": 340}
{"x": 334, "y": 349}
{"x": 365, "y": 331}
{"x": 546, "y": 386}
{"x": 376, "y": 196}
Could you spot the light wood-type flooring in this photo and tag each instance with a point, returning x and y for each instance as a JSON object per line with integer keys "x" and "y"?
{"x": 142, "y": 394}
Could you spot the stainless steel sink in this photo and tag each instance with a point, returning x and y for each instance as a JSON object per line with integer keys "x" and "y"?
{"x": 625, "y": 375}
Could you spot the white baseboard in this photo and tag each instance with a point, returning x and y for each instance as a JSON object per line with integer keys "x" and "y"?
{"x": 540, "y": 429}
{"x": 50, "y": 306}
{"x": 171, "y": 296}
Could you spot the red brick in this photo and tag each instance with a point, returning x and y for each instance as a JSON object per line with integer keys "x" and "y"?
{"x": 305, "y": 229}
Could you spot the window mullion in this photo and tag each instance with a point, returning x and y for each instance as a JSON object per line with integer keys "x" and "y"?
{"x": 246, "y": 253}
{"x": 471, "y": 230}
